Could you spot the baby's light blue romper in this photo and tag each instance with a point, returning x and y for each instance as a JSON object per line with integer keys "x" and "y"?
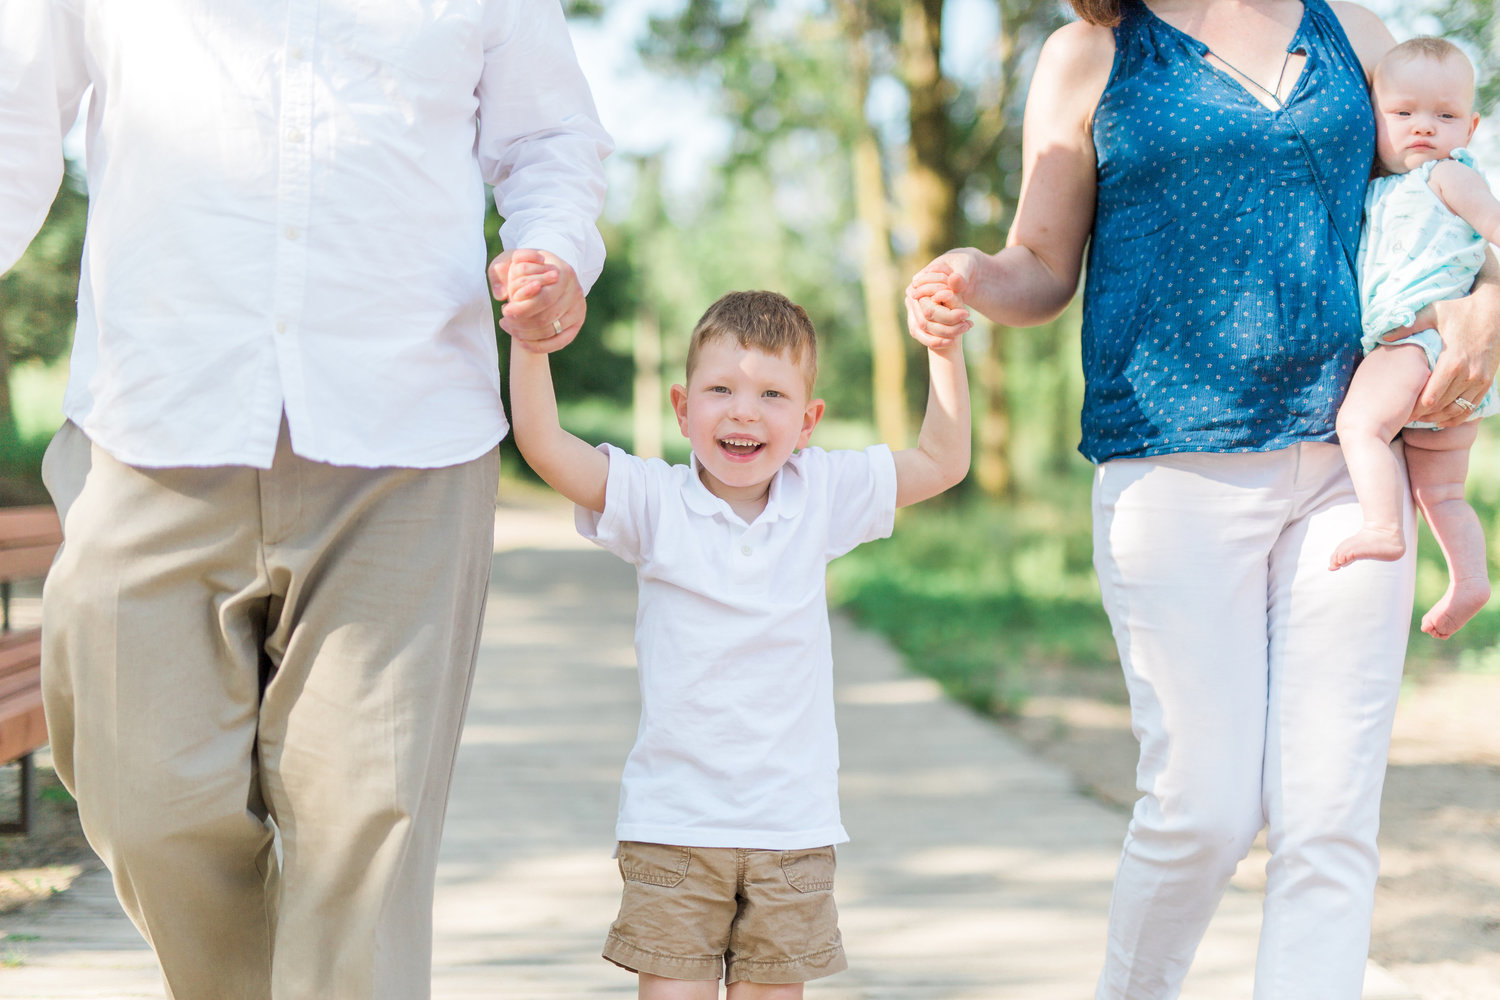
{"x": 1414, "y": 252}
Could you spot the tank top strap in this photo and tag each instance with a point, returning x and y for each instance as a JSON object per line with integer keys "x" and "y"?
{"x": 1325, "y": 23}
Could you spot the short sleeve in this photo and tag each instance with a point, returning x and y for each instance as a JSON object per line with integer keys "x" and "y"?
{"x": 861, "y": 497}
{"x": 632, "y": 494}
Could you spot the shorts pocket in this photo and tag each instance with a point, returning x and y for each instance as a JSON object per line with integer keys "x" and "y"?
{"x": 653, "y": 864}
{"x": 809, "y": 871}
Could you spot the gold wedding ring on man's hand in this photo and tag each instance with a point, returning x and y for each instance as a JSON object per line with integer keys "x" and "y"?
{"x": 1464, "y": 405}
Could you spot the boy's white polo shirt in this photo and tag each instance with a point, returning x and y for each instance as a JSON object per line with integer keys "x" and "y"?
{"x": 737, "y": 746}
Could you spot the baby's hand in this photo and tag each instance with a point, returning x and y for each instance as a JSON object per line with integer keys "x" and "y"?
{"x": 936, "y": 314}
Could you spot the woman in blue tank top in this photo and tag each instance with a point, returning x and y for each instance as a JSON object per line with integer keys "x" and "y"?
{"x": 1212, "y": 155}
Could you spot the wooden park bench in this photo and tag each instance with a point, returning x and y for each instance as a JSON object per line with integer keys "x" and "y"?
{"x": 29, "y": 537}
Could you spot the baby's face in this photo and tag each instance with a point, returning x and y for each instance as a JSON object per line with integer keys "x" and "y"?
{"x": 1424, "y": 110}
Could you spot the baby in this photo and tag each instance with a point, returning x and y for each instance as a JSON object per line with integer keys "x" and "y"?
{"x": 1427, "y": 221}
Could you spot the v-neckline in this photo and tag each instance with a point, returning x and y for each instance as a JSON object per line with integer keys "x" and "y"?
{"x": 1240, "y": 86}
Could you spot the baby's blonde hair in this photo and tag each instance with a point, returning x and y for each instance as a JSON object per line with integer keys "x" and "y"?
{"x": 761, "y": 321}
{"x": 1424, "y": 47}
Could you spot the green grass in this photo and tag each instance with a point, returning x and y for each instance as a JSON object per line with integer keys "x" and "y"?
{"x": 983, "y": 597}
{"x": 36, "y": 401}
{"x": 977, "y": 596}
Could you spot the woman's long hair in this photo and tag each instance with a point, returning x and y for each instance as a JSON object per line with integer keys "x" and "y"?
{"x": 1101, "y": 12}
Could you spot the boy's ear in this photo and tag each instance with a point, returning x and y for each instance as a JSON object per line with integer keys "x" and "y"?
{"x": 679, "y": 407}
{"x": 810, "y": 418}
{"x": 1473, "y": 124}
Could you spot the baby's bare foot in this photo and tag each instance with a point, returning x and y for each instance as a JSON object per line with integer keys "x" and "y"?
{"x": 1369, "y": 542}
{"x": 1453, "y": 610}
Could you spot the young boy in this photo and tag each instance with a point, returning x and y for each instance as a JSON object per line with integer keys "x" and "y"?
{"x": 729, "y": 799}
{"x": 1428, "y": 218}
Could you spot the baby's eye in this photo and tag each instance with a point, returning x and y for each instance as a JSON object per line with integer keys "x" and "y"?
{"x": 719, "y": 388}
{"x": 774, "y": 393}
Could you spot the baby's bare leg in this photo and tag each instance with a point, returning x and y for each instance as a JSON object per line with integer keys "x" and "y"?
{"x": 1438, "y": 462}
{"x": 1380, "y": 400}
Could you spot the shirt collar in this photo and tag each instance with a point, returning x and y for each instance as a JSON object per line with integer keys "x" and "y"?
{"x": 787, "y": 498}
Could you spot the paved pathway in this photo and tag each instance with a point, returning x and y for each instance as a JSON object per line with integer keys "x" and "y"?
{"x": 976, "y": 872}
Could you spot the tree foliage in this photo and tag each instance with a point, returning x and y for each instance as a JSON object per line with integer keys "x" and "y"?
{"x": 38, "y": 296}
{"x": 1474, "y": 21}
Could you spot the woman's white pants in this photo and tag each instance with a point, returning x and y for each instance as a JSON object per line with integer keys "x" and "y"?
{"x": 1262, "y": 689}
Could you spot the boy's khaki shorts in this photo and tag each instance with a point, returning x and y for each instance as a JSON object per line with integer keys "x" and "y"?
{"x": 703, "y": 912}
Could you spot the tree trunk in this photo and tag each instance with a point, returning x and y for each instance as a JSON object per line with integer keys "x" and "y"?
{"x": 931, "y": 188}
{"x": 646, "y": 422}
{"x": 992, "y": 469}
{"x": 878, "y": 274}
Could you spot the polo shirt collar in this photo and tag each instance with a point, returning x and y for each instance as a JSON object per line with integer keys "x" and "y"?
{"x": 787, "y": 499}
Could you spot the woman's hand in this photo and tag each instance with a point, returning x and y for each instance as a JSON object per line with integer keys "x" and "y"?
{"x": 936, "y": 313}
{"x": 1470, "y": 328}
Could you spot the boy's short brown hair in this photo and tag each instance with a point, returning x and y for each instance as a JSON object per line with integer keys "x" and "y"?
{"x": 761, "y": 321}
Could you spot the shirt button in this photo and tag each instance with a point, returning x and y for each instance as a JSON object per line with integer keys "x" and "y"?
{"x": 746, "y": 550}
{"x": 294, "y": 135}
{"x": 292, "y": 233}
{"x": 281, "y": 326}
{"x": 296, "y": 53}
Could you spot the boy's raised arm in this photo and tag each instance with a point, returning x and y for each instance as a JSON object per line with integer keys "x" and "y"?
{"x": 941, "y": 457}
{"x": 568, "y": 464}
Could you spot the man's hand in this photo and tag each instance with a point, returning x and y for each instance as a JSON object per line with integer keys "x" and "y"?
{"x": 544, "y": 304}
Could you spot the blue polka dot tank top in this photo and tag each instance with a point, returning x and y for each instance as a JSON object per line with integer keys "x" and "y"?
{"x": 1221, "y": 309}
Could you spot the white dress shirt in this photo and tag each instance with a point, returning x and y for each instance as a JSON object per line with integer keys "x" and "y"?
{"x": 286, "y": 203}
{"x": 737, "y": 746}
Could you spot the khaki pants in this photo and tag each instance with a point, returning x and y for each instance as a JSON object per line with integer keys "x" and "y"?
{"x": 232, "y": 653}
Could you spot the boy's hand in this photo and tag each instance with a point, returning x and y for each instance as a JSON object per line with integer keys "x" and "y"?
{"x": 544, "y": 303}
{"x": 936, "y": 314}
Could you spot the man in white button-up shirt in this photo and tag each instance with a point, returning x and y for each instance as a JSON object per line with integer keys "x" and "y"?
{"x": 277, "y": 476}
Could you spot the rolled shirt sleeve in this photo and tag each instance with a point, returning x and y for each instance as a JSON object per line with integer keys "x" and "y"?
{"x": 540, "y": 142}
{"x": 43, "y": 77}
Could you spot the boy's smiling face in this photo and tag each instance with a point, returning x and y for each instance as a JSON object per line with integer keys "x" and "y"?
{"x": 744, "y": 412}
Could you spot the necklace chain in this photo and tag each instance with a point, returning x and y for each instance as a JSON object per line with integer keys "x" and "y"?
{"x": 1275, "y": 95}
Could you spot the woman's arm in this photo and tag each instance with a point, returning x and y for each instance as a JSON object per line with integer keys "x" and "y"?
{"x": 1366, "y": 33}
{"x": 1470, "y": 328}
{"x": 1035, "y": 276}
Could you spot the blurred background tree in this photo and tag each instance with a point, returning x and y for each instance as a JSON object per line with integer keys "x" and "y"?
{"x": 860, "y": 138}
{"x": 40, "y": 294}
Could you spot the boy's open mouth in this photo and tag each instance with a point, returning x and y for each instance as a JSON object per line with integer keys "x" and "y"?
{"x": 740, "y": 446}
